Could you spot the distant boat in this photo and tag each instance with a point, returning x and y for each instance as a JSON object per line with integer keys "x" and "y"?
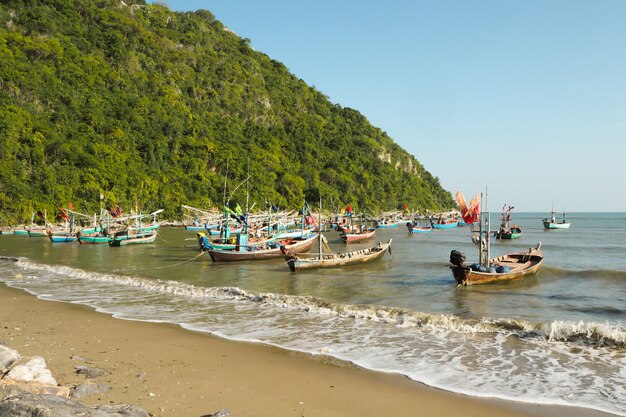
{"x": 137, "y": 233}
{"x": 93, "y": 238}
{"x": 448, "y": 225}
{"x": 552, "y": 223}
{"x": 63, "y": 237}
{"x": 245, "y": 252}
{"x": 384, "y": 224}
{"x": 330, "y": 259}
{"x": 357, "y": 236}
{"x": 415, "y": 228}
{"x": 507, "y": 231}
{"x": 130, "y": 237}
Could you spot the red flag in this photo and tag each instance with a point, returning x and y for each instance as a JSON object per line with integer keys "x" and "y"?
{"x": 471, "y": 213}
{"x": 349, "y": 209}
{"x": 63, "y": 214}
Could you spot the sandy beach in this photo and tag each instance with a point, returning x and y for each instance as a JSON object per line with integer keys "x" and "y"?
{"x": 170, "y": 371}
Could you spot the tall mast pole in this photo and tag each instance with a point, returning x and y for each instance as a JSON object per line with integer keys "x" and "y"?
{"x": 319, "y": 218}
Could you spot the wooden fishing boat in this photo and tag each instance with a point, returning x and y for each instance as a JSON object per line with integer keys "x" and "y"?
{"x": 137, "y": 233}
{"x": 488, "y": 270}
{"x": 503, "y": 268}
{"x": 357, "y": 236}
{"x": 514, "y": 232}
{"x": 38, "y": 232}
{"x": 414, "y": 228}
{"x": 507, "y": 231}
{"x": 552, "y": 223}
{"x": 95, "y": 239}
{"x": 245, "y": 252}
{"x": 330, "y": 259}
{"x": 63, "y": 237}
{"x": 446, "y": 225}
{"x": 126, "y": 237}
{"x": 388, "y": 225}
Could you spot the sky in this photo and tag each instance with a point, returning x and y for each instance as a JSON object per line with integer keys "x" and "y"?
{"x": 522, "y": 100}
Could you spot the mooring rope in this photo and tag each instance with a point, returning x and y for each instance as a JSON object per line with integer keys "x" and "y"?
{"x": 164, "y": 266}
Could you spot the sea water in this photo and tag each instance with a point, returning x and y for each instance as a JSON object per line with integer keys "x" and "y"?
{"x": 558, "y": 337}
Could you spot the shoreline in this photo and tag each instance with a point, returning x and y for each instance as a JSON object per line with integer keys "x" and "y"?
{"x": 170, "y": 371}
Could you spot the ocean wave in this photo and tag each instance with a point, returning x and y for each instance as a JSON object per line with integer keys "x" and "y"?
{"x": 606, "y": 334}
{"x": 606, "y": 274}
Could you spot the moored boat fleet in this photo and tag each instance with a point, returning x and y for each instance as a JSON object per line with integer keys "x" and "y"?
{"x": 233, "y": 236}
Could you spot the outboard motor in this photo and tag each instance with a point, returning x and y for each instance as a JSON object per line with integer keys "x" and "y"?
{"x": 458, "y": 270}
{"x": 457, "y": 258}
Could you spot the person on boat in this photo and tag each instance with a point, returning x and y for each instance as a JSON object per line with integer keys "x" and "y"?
{"x": 440, "y": 221}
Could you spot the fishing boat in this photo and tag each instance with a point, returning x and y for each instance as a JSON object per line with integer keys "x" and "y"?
{"x": 445, "y": 223}
{"x": 357, "y": 235}
{"x": 416, "y": 228}
{"x": 488, "y": 270}
{"x": 137, "y": 233}
{"x": 385, "y": 224}
{"x": 133, "y": 237}
{"x": 63, "y": 237}
{"x": 66, "y": 233}
{"x": 507, "y": 231}
{"x": 329, "y": 259}
{"x": 268, "y": 250}
{"x": 196, "y": 219}
{"x": 552, "y": 222}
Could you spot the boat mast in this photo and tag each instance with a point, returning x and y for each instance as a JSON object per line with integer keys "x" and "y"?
{"x": 484, "y": 244}
{"x": 319, "y": 218}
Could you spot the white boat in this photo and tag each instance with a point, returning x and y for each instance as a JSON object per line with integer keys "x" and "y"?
{"x": 552, "y": 223}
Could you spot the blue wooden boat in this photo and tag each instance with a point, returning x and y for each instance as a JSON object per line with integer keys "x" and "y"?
{"x": 415, "y": 228}
{"x": 449, "y": 225}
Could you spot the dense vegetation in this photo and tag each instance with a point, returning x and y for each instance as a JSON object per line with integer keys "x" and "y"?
{"x": 152, "y": 108}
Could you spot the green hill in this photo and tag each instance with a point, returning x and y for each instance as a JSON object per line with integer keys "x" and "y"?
{"x": 152, "y": 108}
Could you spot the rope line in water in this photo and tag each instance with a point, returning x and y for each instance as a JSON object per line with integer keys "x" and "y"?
{"x": 164, "y": 266}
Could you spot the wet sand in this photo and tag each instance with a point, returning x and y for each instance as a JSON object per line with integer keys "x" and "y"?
{"x": 170, "y": 371}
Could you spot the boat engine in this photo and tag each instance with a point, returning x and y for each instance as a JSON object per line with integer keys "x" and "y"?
{"x": 457, "y": 258}
{"x": 459, "y": 271}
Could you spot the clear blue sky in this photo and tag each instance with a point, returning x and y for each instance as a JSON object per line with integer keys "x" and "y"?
{"x": 524, "y": 98}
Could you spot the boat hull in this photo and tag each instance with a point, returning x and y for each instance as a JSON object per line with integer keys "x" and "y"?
{"x": 551, "y": 225}
{"x": 452, "y": 225}
{"x": 37, "y": 233}
{"x": 133, "y": 239}
{"x": 69, "y": 238}
{"x": 253, "y": 255}
{"x": 418, "y": 229}
{"x": 94, "y": 240}
{"x": 299, "y": 263}
{"x": 357, "y": 237}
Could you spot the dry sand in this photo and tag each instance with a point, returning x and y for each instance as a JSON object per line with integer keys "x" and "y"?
{"x": 173, "y": 372}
